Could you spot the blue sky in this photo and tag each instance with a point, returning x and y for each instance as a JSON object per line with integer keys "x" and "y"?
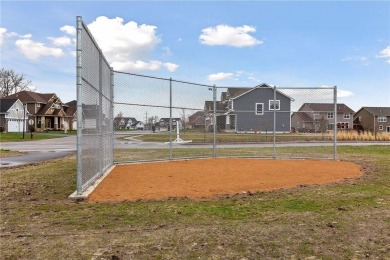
{"x": 287, "y": 44}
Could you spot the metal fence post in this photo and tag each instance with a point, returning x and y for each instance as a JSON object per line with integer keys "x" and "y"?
{"x": 215, "y": 121}
{"x": 112, "y": 116}
{"x": 79, "y": 105}
{"x": 100, "y": 115}
{"x": 335, "y": 124}
{"x": 274, "y": 135}
{"x": 170, "y": 119}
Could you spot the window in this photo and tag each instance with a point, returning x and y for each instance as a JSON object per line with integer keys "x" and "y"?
{"x": 347, "y": 115}
{"x": 380, "y": 127}
{"x": 388, "y": 129}
{"x": 274, "y": 105}
{"x": 330, "y": 127}
{"x": 330, "y": 115}
{"x": 259, "y": 108}
{"x": 382, "y": 119}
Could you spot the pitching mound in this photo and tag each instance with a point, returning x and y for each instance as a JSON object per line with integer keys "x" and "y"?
{"x": 205, "y": 178}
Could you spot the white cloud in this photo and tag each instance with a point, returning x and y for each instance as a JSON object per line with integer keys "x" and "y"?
{"x": 2, "y": 35}
{"x": 127, "y": 45}
{"x": 385, "y": 53}
{"x": 61, "y": 41}
{"x": 230, "y": 36}
{"x": 122, "y": 42}
{"x": 171, "y": 66}
{"x": 34, "y": 50}
{"x": 142, "y": 65}
{"x": 219, "y": 76}
{"x": 344, "y": 93}
{"x": 68, "y": 29}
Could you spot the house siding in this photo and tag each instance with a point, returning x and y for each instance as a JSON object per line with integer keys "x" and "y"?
{"x": 369, "y": 122}
{"x": 246, "y": 118}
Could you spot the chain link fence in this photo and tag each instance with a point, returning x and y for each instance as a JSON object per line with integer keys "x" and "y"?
{"x": 152, "y": 118}
{"x": 165, "y": 119}
{"x": 94, "y": 110}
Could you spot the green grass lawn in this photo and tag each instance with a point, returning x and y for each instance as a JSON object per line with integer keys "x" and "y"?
{"x": 350, "y": 220}
{"x": 18, "y": 137}
{"x": 200, "y": 137}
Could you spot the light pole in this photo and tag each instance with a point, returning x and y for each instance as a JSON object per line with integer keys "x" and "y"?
{"x": 24, "y": 118}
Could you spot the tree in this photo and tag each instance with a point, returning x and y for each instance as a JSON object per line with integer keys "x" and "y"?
{"x": 11, "y": 82}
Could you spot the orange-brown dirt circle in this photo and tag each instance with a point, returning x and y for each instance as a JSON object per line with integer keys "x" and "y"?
{"x": 207, "y": 178}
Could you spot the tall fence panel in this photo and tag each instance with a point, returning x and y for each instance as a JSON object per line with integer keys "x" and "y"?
{"x": 94, "y": 110}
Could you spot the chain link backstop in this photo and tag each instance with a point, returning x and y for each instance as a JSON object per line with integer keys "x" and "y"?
{"x": 94, "y": 110}
{"x": 153, "y": 118}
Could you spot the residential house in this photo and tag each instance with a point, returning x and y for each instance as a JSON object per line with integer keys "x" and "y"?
{"x": 13, "y": 116}
{"x": 197, "y": 120}
{"x": 125, "y": 122}
{"x": 46, "y": 109}
{"x": 70, "y": 120}
{"x": 164, "y": 123}
{"x": 319, "y": 117}
{"x": 251, "y": 110}
{"x": 374, "y": 119}
{"x": 138, "y": 125}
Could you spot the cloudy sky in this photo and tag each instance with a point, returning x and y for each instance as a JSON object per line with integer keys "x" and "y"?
{"x": 287, "y": 44}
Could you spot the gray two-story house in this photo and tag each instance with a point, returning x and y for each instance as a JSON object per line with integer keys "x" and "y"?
{"x": 252, "y": 110}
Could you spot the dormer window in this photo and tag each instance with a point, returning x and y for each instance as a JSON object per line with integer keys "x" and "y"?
{"x": 38, "y": 105}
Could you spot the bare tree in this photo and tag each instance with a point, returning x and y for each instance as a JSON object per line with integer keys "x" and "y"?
{"x": 118, "y": 120}
{"x": 11, "y": 82}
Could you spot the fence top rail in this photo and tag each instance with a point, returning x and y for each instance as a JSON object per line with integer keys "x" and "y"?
{"x": 167, "y": 79}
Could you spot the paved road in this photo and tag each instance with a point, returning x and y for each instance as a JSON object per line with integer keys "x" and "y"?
{"x": 37, "y": 151}
{"x": 42, "y": 150}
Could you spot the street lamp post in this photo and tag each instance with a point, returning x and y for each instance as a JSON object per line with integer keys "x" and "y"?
{"x": 24, "y": 119}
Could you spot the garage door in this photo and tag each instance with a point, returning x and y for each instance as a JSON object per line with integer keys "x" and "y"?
{"x": 15, "y": 125}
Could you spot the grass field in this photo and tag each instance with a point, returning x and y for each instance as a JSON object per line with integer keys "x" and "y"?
{"x": 344, "y": 221}
{"x": 18, "y": 137}
{"x": 207, "y": 137}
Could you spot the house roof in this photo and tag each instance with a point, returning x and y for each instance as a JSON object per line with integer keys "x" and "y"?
{"x": 6, "y": 104}
{"x": 323, "y": 107}
{"x": 303, "y": 116}
{"x": 220, "y": 106}
{"x": 71, "y": 107}
{"x": 30, "y": 97}
{"x": 223, "y": 96}
{"x": 196, "y": 114}
{"x": 237, "y": 92}
{"x": 192, "y": 118}
{"x": 378, "y": 111}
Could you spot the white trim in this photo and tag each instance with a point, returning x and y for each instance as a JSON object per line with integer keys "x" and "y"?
{"x": 262, "y": 111}
{"x": 348, "y": 116}
{"x": 380, "y": 127}
{"x": 388, "y": 129}
{"x": 262, "y": 86}
{"x": 328, "y": 115}
{"x": 382, "y": 119}
{"x": 269, "y": 104}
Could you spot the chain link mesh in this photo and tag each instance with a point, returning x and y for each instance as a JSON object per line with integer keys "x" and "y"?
{"x": 95, "y": 124}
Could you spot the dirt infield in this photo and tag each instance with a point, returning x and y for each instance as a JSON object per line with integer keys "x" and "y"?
{"x": 206, "y": 178}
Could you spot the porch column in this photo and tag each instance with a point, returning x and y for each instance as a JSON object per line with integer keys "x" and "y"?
{"x": 55, "y": 122}
{"x": 227, "y": 127}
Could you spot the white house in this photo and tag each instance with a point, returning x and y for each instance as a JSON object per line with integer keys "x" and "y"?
{"x": 13, "y": 116}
